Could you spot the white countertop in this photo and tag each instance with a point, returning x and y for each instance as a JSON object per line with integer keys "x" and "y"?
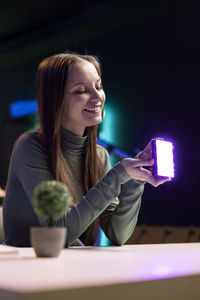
{"x": 86, "y": 267}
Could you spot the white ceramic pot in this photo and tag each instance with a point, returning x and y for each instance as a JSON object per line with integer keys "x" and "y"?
{"x": 48, "y": 241}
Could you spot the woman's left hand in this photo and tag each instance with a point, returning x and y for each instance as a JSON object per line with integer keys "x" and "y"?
{"x": 147, "y": 154}
{"x": 136, "y": 169}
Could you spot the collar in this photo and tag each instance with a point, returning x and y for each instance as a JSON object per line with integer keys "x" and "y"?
{"x": 71, "y": 142}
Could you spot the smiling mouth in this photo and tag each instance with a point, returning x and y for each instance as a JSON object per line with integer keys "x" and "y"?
{"x": 93, "y": 110}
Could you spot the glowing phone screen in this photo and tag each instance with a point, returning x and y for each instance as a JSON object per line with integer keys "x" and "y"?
{"x": 163, "y": 155}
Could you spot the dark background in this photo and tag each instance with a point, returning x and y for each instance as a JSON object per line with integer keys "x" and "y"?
{"x": 150, "y": 57}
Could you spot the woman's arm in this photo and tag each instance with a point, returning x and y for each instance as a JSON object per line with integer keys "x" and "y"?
{"x": 28, "y": 168}
{"x": 119, "y": 219}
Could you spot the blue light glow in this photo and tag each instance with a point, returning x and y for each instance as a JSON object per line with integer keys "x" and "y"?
{"x": 103, "y": 143}
{"x": 121, "y": 153}
{"x": 23, "y": 108}
{"x": 102, "y": 240}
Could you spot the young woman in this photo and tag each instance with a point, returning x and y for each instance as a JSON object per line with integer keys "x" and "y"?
{"x": 71, "y": 100}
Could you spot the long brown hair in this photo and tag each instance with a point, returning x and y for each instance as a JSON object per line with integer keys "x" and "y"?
{"x": 51, "y": 86}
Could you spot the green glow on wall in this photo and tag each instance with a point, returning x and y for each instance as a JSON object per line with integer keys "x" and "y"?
{"x": 108, "y": 129}
{"x": 106, "y": 132}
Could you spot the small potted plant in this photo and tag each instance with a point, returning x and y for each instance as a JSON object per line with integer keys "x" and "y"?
{"x": 51, "y": 200}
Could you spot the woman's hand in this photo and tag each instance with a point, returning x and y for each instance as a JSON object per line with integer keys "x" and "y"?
{"x": 147, "y": 152}
{"x": 135, "y": 167}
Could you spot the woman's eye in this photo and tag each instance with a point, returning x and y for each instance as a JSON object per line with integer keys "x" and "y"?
{"x": 80, "y": 92}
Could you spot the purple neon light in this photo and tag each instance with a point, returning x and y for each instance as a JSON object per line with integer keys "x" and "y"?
{"x": 165, "y": 162}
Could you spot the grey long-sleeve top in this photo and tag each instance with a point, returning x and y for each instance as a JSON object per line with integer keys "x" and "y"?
{"x": 28, "y": 168}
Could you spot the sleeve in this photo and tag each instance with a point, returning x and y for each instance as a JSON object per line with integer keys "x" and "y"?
{"x": 119, "y": 219}
{"x": 30, "y": 165}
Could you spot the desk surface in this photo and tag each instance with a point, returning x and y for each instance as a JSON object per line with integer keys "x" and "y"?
{"x": 96, "y": 267}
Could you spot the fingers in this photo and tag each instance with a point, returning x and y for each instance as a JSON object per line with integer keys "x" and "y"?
{"x": 143, "y": 162}
{"x": 135, "y": 163}
{"x": 158, "y": 181}
{"x": 146, "y": 175}
{"x": 135, "y": 169}
{"x": 145, "y": 155}
{"x": 147, "y": 152}
{"x": 157, "y": 138}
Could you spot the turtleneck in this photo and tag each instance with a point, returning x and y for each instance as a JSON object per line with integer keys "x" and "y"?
{"x": 29, "y": 167}
{"x": 73, "y": 149}
{"x": 72, "y": 143}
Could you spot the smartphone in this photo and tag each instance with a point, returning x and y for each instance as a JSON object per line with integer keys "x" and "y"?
{"x": 162, "y": 152}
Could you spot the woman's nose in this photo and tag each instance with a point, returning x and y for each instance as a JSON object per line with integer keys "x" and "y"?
{"x": 96, "y": 95}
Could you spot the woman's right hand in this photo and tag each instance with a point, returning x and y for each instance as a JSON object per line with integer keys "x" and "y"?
{"x": 135, "y": 169}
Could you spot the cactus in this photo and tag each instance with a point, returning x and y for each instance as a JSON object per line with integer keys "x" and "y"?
{"x": 51, "y": 200}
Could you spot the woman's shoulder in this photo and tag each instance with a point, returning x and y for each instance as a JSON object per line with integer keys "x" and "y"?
{"x": 104, "y": 155}
{"x": 29, "y": 142}
{"x": 29, "y": 137}
{"x": 103, "y": 152}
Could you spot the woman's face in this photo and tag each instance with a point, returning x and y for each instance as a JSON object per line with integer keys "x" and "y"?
{"x": 85, "y": 98}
